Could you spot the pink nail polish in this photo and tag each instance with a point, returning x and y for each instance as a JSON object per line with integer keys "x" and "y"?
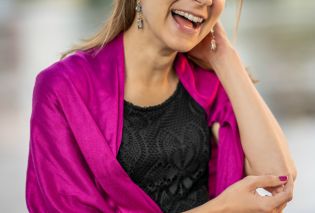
{"x": 283, "y": 178}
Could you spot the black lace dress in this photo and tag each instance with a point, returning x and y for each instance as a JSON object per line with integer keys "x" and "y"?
{"x": 165, "y": 150}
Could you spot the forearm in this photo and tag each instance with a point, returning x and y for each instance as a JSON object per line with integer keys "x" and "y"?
{"x": 262, "y": 139}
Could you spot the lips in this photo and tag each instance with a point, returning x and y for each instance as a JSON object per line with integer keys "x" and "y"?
{"x": 185, "y": 25}
{"x": 183, "y": 21}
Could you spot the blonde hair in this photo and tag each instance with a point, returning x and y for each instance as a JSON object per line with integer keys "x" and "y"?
{"x": 121, "y": 18}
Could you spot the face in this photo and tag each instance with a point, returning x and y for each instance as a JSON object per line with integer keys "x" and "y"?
{"x": 180, "y": 24}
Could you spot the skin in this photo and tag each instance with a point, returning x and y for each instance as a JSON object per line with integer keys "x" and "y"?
{"x": 150, "y": 73}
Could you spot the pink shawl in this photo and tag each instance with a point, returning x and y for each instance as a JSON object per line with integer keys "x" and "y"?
{"x": 76, "y": 129}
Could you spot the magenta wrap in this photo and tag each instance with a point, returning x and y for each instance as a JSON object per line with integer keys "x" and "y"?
{"x": 76, "y": 130}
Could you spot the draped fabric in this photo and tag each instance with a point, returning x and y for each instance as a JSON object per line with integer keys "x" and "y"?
{"x": 76, "y": 131}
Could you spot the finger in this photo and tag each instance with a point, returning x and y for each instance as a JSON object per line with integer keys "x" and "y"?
{"x": 275, "y": 190}
{"x": 281, "y": 197}
{"x": 289, "y": 185}
{"x": 264, "y": 181}
{"x": 276, "y": 201}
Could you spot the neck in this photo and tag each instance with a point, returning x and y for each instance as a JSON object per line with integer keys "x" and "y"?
{"x": 147, "y": 60}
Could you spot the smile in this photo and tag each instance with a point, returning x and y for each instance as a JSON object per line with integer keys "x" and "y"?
{"x": 186, "y": 21}
{"x": 189, "y": 16}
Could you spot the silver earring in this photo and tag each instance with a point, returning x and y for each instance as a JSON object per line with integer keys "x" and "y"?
{"x": 140, "y": 17}
{"x": 213, "y": 44}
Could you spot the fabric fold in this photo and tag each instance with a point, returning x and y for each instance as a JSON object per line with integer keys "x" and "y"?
{"x": 227, "y": 167}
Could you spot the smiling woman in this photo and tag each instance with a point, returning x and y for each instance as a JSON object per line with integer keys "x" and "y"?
{"x": 132, "y": 122}
{"x": 122, "y": 18}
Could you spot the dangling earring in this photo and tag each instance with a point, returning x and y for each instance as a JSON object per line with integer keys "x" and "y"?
{"x": 140, "y": 18}
{"x": 213, "y": 45}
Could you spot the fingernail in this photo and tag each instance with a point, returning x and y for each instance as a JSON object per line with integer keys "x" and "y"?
{"x": 283, "y": 178}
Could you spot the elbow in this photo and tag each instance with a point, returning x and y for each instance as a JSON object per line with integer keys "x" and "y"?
{"x": 291, "y": 168}
{"x": 293, "y": 172}
{"x": 285, "y": 169}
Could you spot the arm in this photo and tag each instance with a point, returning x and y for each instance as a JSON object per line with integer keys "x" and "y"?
{"x": 262, "y": 139}
{"x": 263, "y": 142}
{"x": 57, "y": 180}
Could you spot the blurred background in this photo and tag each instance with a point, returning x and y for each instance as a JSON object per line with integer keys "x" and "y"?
{"x": 276, "y": 41}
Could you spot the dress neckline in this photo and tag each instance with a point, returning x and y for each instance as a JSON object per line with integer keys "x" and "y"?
{"x": 157, "y": 106}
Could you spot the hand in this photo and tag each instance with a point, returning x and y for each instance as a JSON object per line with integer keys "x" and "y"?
{"x": 275, "y": 190}
{"x": 242, "y": 195}
{"x": 204, "y": 57}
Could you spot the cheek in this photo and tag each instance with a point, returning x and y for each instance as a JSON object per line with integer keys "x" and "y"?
{"x": 155, "y": 11}
{"x": 155, "y": 17}
{"x": 160, "y": 23}
{"x": 215, "y": 11}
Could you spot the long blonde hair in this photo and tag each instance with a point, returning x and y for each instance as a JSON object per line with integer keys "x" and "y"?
{"x": 121, "y": 18}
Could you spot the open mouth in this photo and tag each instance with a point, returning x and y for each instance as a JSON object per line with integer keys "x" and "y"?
{"x": 186, "y": 19}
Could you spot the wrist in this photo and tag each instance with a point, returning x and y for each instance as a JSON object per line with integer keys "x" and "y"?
{"x": 226, "y": 62}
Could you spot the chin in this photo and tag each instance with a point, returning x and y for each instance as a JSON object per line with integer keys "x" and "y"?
{"x": 179, "y": 44}
{"x": 177, "y": 40}
{"x": 182, "y": 49}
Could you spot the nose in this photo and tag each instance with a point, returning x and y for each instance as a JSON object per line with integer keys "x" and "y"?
{"x": 204, "y": 2}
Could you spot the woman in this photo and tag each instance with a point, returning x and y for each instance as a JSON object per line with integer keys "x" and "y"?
{"x": 122, "y": 124}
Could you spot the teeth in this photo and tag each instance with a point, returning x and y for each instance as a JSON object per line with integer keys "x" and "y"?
{"x": 189, "y": 16}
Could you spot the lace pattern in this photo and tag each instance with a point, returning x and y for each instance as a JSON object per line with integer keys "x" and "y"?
{"x": 165, "y": 150}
